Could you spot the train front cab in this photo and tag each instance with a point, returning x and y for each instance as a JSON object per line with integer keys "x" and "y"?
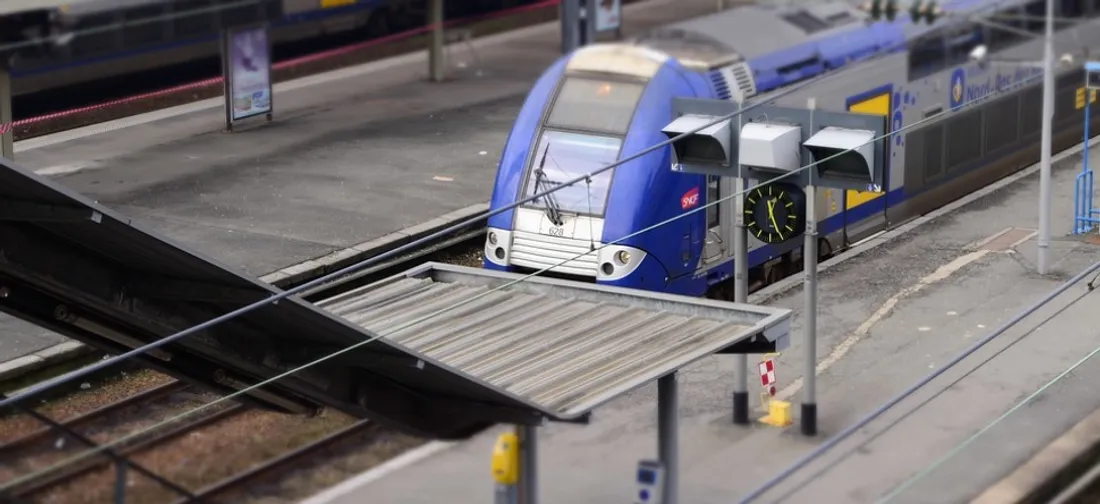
{"x": 594, "y": 107}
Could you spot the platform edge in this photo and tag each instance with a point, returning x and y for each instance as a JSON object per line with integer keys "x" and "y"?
{"x": 1038, "y": 478}
{"x": 760, "y": 297}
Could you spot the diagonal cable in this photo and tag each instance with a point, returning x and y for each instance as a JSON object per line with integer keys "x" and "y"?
{"x": 420, "y": 320}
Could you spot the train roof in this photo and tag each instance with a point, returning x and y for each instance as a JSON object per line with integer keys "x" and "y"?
{"x": 758, "y": 48}
{"x": 756, "y": 30}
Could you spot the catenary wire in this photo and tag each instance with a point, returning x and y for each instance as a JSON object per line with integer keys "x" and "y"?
{"x": 851, "y": 429}
{"x": 420, "y": 320}
{"x": 276, "y": 297}
{"x": 958, "y": 448}
{"x": 349, "y": 270}
{"x": 813, "y": 477}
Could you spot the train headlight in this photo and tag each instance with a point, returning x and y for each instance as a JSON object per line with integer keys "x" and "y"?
{"x": 623, "y": 257}
{"x": 492, "y": 238}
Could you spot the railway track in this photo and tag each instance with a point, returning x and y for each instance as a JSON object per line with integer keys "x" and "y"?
{"x": 185, "y": 460}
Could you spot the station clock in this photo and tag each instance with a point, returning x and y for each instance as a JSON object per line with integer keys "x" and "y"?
{"x": 775, "y": 213}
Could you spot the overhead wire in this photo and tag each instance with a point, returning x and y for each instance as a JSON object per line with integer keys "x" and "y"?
{"x": 851, "y": 429}
{"x": 821, "y": 449}
{"x": 349, "y": 270}
{"x": 813, "y": 477}
{"x": 961, "y": 446}
{"x": 703, "y": 208}
{"x": 338, "y": 274}
{"x": 275, "y": 298}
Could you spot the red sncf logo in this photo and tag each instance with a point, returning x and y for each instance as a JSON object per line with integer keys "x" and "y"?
{"x": 690, "y": 199}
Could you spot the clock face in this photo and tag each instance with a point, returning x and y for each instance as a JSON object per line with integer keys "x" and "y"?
{"x": 774, "y": 212}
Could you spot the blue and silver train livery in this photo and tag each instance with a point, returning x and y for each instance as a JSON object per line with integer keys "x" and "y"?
{"x": 979, "y": 121}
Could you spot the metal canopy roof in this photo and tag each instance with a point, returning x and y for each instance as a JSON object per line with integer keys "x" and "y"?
{"x": 543, "y": 348}
{"x": 561, "y": 347}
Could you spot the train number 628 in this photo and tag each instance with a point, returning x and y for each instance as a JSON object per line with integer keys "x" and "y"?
{"x": 556, "y": 231}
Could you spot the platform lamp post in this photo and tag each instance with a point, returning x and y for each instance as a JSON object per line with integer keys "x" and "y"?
{"x": 1043, "y": 263}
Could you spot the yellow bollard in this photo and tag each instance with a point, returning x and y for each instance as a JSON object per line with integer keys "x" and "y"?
{"x": 506, "y": 459}
{"x": 779, "y": 414}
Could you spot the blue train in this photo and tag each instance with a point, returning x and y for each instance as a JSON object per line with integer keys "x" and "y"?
{"x": 184, "y": 31}
{"x": 605, "y": 102}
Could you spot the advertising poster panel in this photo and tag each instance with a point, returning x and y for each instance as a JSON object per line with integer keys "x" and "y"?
{"x": 608, "y": 15}
{"x": 247, "y": 61}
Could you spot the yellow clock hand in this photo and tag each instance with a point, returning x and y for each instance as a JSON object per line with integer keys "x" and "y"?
{"x": 771, "y": 217}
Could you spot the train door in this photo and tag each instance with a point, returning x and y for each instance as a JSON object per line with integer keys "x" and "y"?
{"x": 714, "y": 247}
{"x": 865, "y": 211}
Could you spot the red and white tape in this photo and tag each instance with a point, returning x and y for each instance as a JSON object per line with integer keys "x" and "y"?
{"x": 291, "y": 63}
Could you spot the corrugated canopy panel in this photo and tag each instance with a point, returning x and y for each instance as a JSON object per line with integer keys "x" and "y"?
{"x": 564, "y": 347}
{"x": 538, "y": 348}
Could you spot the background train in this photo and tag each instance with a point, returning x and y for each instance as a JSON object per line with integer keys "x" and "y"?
{"x": 605, "y": 102}
{"x": 137, "y": 40}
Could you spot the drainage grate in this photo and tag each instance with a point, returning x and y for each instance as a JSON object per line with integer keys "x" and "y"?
{"x": 1006, "y": 239}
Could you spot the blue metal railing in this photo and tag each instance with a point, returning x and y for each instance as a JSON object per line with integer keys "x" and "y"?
{"x": 1083, "y": 211}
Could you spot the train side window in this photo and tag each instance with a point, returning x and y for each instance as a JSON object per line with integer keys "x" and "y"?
{"x": 1000, "y": 39}
{"x": 1071, "y": 8}
{"x": 914, "y": 159}
{"x": 926, "y": 57}
{"x": 1035, "y": 13}
{"x": 191, "y": 25}
{"x": 1031, "y": 109}
{"x": 961, "y": 41}
{"x": 1065, "y": 105}
{"x": 964, "y": 139}
{"x": 712, "y": 196}
{"x": 595, "y": 105}
{"x": 933, "y": 152}
{"x": 140, "y": 31}
{"x": 1002, "y": 123}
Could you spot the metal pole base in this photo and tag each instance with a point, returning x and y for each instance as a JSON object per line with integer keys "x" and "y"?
{"x": 741, "y": 408}
{"x": 809, "y": 419}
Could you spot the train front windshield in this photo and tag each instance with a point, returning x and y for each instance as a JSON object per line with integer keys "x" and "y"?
{"x": 583, "y": 132}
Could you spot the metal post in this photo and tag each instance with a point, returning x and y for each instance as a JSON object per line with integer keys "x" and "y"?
{"x": 120, "y": 482}
{"x": 740, "y": 295}
{"x": 7, "y": 130}
{"x": 435, "y": 54}
{"x": 1044, "y": 166}
{"x": 668, "y": 419}
{"x": 570, "y": 22}
{"x": 590, "y": 21}
{"x": 809, "y": 318}
{"x": 528, "y": 463}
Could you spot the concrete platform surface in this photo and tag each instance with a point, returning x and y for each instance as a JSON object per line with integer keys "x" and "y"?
{"x": 887, "y": 318}
{"x": 353, "y": 155}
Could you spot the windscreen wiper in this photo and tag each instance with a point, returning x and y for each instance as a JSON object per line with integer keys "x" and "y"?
{"x": 553, "y": 211}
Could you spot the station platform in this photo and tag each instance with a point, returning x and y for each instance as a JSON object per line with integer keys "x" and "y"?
{"x": 354, "y": 156}
{"x": 890, "y": 312}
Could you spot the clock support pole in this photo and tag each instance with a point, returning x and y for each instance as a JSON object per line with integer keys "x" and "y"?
{"x": 740, "y": 295}
{"x": 809, "y": 318}
{"x": 848, "y": 150}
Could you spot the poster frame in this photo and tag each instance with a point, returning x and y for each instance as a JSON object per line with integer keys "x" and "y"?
{"x": 227, "y": 73}
{"x": 615, "y": 27}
